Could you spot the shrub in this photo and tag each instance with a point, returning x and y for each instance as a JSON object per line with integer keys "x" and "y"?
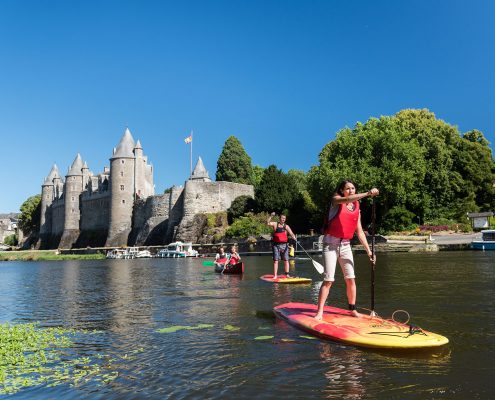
{"x": 11, "y": 240}
{"x": 249, "y": 225}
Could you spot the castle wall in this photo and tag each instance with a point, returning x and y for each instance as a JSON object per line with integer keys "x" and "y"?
{"x": 58, "y": 216}
{"x": 212, "y": 197}
{"x": 95, "y": 211}
{"x": 204, "y": 198}
{"x": 150, "y": 220}
{"x": 176, "y": 207}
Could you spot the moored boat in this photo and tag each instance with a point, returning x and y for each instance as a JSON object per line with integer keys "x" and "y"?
{"x": 231, "y": 269}
{"x": 487, "y": 241}
{"x": 178, "y": 250}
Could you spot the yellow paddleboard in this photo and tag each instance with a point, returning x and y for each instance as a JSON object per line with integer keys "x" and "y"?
{"x": 284, "y": 279}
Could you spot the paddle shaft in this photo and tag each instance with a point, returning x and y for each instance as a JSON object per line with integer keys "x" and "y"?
{"x": 373, "y": 221}
{"x": 317, "y": 266}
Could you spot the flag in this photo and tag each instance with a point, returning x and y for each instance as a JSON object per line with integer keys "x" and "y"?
{"x": 188, "y": 139}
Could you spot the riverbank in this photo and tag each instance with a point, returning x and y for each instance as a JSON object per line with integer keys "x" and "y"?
{"x": 262, "y": 246}
{"x": 46, "y": 255}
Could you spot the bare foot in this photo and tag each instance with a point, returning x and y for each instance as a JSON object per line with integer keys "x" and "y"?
{"x": 354, "y": 313}
{"x": 275, "y": 277}
{"x": 318, "y": 317}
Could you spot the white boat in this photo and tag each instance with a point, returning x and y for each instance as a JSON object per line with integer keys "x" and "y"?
{"x": 125, "y": 253}
{"x": 143, "y": 254}
{"x": 178, "y": 250}
{"x": 487, "y": 241}
{"x": 116, "y": 254}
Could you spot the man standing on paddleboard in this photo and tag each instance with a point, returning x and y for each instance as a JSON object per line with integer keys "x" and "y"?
{"x": 343, "y": 221}
{"x": 280, "y": 243}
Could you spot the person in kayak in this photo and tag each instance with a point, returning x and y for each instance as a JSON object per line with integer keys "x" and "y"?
{"x": 280, "y": 245}
{"x": 221, "y": 257}
{"x": 234, "y": 256}
{"x": 337, "y": 242}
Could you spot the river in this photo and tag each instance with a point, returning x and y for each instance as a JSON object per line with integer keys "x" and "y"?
{"x": 143, "y": 312}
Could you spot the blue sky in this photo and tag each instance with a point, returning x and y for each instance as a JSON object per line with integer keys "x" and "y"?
{"x": 282, "y": 76}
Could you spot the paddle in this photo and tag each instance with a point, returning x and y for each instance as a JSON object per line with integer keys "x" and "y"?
{"x": 209, "y": 263}
{"x": 373, "y": 221}
{"x": 317, "y": 265}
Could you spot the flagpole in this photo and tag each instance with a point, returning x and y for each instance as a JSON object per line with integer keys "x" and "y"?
{"x": 191, "y": 151}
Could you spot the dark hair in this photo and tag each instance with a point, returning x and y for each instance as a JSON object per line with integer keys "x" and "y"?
{"x": 340, "y": 187}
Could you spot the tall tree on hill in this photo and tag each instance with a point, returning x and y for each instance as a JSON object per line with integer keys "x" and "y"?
{"x": 234, "y": 164}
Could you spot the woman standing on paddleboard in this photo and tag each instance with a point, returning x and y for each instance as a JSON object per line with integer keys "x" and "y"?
{"x": 344, "y": 221}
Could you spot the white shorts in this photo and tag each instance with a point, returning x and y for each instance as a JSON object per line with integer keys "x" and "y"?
{"x": 337, "y": 249}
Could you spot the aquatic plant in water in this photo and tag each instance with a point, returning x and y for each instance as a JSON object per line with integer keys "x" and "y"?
{"x": 32, "y": 356}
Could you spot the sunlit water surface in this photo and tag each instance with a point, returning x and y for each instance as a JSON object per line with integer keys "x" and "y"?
{"x": 247, "y": 353}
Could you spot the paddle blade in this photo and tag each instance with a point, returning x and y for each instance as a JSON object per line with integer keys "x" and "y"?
{"x": 318, "y": 266}
{"x": 208, "y": 263}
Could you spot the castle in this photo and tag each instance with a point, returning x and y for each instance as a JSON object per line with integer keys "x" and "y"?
{"x": 118, "y": 206}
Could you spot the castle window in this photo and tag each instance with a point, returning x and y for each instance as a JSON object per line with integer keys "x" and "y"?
{"x": 121, "y": 173}
{"x": 123, "y": 161}
{"x": 123, "y": 201}
{"x": 72, "y": 210}
{"x": 72, "y": 198}
{"x": 121, "y": 187}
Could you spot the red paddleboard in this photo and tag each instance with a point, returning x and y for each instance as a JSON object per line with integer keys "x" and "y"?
{"x": 284, "y": 279}
{"x": 367, "y": 331}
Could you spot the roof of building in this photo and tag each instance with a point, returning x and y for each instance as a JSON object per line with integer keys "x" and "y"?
{"x": 54, "y": 173}
{"x": 76, "y": 167}
{"x": 200, "y": 171}
{"x": 480, "y": 214}
{"x": 125, "y": 147}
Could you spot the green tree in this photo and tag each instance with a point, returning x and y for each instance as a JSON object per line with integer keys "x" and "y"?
{"x": 421, "y": 164}
{"x": 275, "y": 192}
{"x": 240, "y": 206}
{"x": 258, "y": 172}
{"x": 234, "y": 164}
{"x": 29, "y": 219}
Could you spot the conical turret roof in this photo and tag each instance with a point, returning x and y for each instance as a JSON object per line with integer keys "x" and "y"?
{"x": 76, "y": 167}
{"x": 125, "y": 147}
{"x": 200, "y": 171}
{"x": 54, "y": 173}
{"x": 138, "y": 145}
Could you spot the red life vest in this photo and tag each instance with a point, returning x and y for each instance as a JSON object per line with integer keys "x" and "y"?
{"x": 233, "y": 259}
{"x": 344, "y": 224}
{"x": 280, "y": 235}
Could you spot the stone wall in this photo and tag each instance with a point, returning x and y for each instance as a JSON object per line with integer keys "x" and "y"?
{"x": 205, "y": 198}
{"x": 150, "y": 220}
{"x": 58, "y": 216}
{"x": 95, "y": 211}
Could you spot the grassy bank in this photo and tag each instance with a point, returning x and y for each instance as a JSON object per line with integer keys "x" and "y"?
{"x": 45, "y": 255}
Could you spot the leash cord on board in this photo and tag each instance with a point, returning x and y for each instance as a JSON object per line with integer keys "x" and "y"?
{"x": 413, "y": 329}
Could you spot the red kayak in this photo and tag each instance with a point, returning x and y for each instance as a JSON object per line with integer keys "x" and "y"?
{"x": 231, "y": 269}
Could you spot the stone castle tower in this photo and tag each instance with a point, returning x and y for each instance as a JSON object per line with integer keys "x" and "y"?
{"x": 131, "y": 178}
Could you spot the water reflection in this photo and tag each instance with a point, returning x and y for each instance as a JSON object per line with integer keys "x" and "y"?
{"x": 129, "y": 301}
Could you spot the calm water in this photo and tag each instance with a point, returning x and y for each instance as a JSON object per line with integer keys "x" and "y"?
{"x": 129, "y": 301}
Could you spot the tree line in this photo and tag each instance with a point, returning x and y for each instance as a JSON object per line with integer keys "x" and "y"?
{"x": 426, "y": 170}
